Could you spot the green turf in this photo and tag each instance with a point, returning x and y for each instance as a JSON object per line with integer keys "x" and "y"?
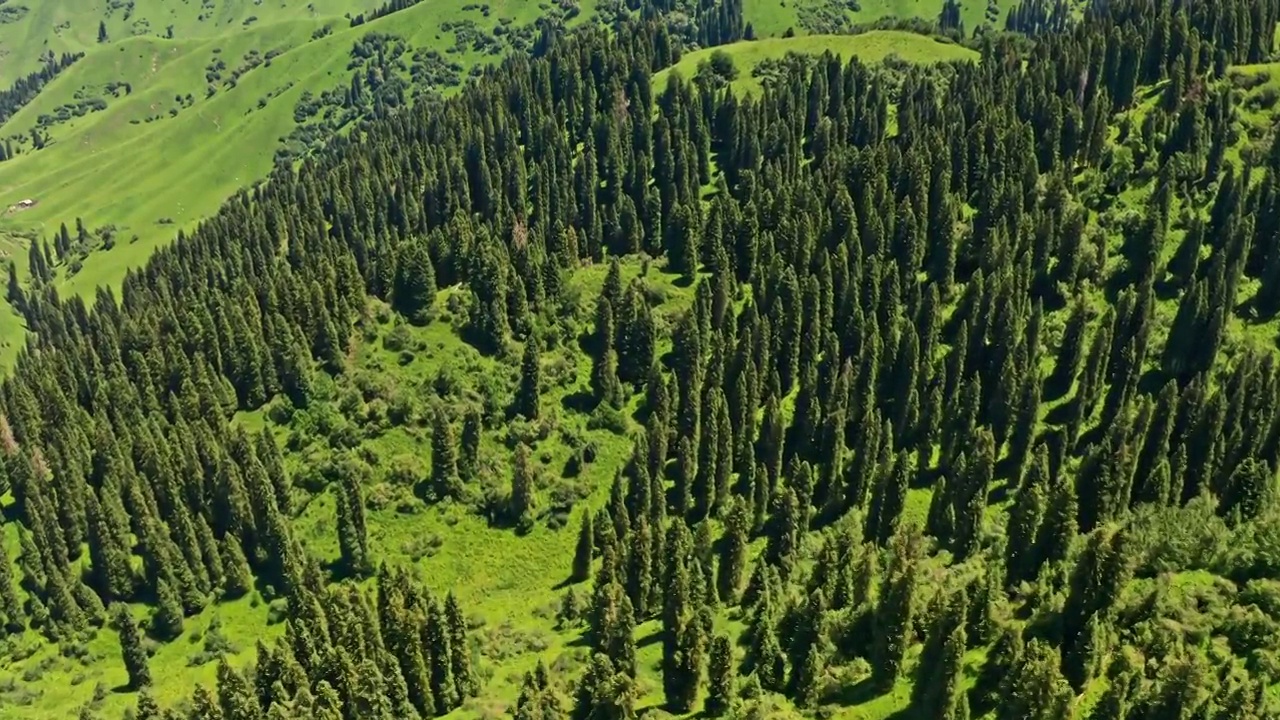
{"x": 73, "y": 27}
{"x": 772, "y": 18}
{"x": 873, "y": 46}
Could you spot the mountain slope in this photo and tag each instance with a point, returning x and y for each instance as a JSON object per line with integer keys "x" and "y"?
{"x": 168, "y": 150}
{"x": 938, "y": 390}
{"x": 60, "y": 27}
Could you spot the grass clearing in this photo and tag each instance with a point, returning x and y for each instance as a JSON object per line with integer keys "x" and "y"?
{"x": 872, "y": 46}
{"x": 772, "y": 18}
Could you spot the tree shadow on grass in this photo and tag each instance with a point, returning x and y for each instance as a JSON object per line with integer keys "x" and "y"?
{"x": 580, "y": 401}
{"x": 652, "y": 638}
{"x": 865, "y": 692}
{"x": 1060, "y": 415}
{"x": 856, "y": 694}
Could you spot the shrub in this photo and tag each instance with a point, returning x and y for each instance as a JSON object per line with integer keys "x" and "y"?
{"x": 277, "y": 611}
{"x": 399, "y": 338}
{"x": 607, "y": 417}
{"x": 280, "y": 410}
{"x": 405, "y": 471}
{"x": 345, "y": 436}
{"x": 1265, "y": 99}
{"x": 722, "y": 65}
{"x": 423, "y": 546}
{"x": 380, "y": 496}
{"x": 401, "y": 408}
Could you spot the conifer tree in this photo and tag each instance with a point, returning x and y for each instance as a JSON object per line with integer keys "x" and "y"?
{"x": 108, "y": 552}
{"x": 269, "y": 453}
{"x": 522, "y": 487}
{"x": 971, "y": 496}
{"x": 469, "y": 458}
{"x": 445, "y": 482}
{"x": 352, "y": 533}
{"x": 894, "y": 498}
{"x": 437, "y": 637}
{"x": 770, "y": 660}
{"x": 603, "y": 693}
{"x": 1250, "y": 490}
{"x": 235, "y": 695}
{"x": 1036, "y": 688}
{"x": 720, "y": 674}
{"x": 14, "y": 618}
{"x": 147, "y": 708}
{"x": 937, "y": 689}
{"x": 204, "y": 705}
{"x": 238, "y": 579}
{"x": 538, "y": 699}
{"x": 15, "y": 294}
{"x": 808, "y": 653}
{"x": 135, "y": 656}
{"x": 1056, "y": 533}
{"x": 784, "y": 534}
{"x": 604, "y": 367}
{"x": 166, "y": 619}
{"x": 640, "y": 569}
{"x": 415, "y": 282}
{"x": 464, "y": 677}
{"x": 733, "y": 554}
{"x": 527, "y": 394}
{"x": 1025, "y": 517}
{"x": 893, "y": 613}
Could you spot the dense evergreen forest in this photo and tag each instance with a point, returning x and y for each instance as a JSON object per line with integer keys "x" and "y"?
{"x": 935, "y": 418}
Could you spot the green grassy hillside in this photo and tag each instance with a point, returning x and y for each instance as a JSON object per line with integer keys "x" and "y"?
{"x": 60, "y": 27}
{"x": 873, "y": 46}
{"x": 771, "y": 18}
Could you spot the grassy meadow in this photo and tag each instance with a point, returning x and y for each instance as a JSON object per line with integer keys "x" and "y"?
{"x": 60, "y": 27}
{"x": 873, "y": 46}
{"x": 772, "y": 18}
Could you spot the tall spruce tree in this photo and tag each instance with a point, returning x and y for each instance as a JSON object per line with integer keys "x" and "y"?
{"x": 526, "y": 401}
{"x": 445, "y": 481}
{"x": 131, "y": 648}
